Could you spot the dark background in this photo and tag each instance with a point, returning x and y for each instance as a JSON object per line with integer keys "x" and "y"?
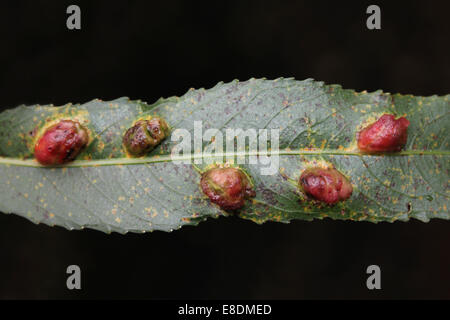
{"x": 147, "y": 49}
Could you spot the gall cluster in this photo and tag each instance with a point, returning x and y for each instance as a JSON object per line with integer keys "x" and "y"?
{"x": 227, "y": 187}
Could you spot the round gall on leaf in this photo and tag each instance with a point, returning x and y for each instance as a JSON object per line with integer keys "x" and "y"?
{"x": 385, "y": 135}
{"x": 61, "y": 143}
{"x": 326, "y": 185}
{"x": 227, "y": 187}
{"x": 144, "y": 136}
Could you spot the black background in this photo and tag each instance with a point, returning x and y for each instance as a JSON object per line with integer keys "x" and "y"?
{"x": 147, "y": 49}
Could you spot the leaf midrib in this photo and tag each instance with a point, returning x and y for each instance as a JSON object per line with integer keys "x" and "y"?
{"x": 168, "y": 158}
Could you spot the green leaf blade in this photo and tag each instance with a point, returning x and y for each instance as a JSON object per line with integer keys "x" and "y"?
{"x": 108, "y": 191}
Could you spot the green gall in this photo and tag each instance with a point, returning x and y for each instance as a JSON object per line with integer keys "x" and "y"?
{"x": 145, "y": 135}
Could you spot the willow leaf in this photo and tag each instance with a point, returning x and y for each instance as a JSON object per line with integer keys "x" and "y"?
{"x": 104, "y": 189}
